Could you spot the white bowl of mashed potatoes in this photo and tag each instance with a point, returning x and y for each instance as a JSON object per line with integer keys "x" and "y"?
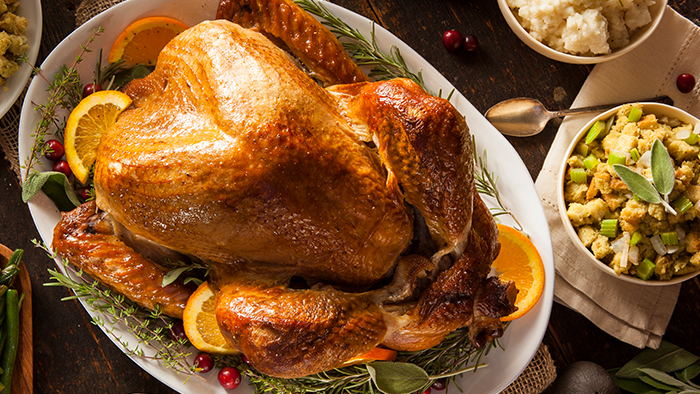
{"x": 583, "y": 31}
{"x": 627, "y": 236}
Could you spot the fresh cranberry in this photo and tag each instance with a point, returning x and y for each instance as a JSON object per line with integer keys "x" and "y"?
{"x": 452, "y": 40}
{"x": 90, "y": 89}
{"x": 470, "y": 42}
{"x": 245, "y": 359}
{"x": 204, "y": 363}
{"x": 685, "y": 82}
{"x": 439, "y": 385}
{"x": 62, "y": 166}
{"x": 229, "y": 378}
{"x": 54, "y": 150}
{"x": 427, "y": 391}
{"x": 177, "y": 331}
{"x": 86, "y": 194}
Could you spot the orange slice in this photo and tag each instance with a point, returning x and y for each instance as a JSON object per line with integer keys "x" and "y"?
{"x": 520, "y": 262}
{"x": 86, "y": 124}
{"x": 142, "y": 41}
{"x": 376, "y": 354}
{"x": 200, "y": 323}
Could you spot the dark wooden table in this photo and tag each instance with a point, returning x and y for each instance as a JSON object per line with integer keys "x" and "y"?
{"x": 71, "y": 355}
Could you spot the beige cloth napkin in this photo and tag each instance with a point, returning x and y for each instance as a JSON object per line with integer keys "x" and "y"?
{"x": 634, "y": 314}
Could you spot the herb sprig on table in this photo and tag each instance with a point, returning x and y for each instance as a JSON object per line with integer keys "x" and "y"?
{"x": 668, "y": 369}
{"x": 364, "y": 51}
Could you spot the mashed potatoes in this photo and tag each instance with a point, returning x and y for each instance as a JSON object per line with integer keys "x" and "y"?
{"x": 582, "y": 27}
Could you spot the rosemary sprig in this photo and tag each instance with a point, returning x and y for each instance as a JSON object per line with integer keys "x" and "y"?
{"x": 64, "y": 94}
{"x": 364, "y": 51}
{"x": 151, "y": 328}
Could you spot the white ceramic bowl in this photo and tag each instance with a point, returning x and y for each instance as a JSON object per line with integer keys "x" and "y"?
{"x": 654, "y": 108}
{"x": 637, "y": 37}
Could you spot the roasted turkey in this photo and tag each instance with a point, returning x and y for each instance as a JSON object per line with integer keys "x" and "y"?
{"x": 336, "y": 218}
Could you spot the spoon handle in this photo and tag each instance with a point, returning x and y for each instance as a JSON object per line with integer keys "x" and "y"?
{"x": 603, "y": 107}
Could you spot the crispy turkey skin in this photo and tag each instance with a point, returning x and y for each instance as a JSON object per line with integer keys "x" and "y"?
{"x": 231, "y": 153}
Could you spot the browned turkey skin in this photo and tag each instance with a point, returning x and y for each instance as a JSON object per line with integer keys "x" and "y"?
{"x": 231, "y": 153}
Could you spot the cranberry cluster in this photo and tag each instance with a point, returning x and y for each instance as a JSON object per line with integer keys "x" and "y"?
{"x": 453, "y": 40}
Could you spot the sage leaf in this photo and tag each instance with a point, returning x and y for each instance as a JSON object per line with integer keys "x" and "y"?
{"x": 690, "y": 392}
{"x": 634, "y": 386}
{"x": 667, "y": 358}
{"x": 127, "y": 75}
{"x": 397, "y": 378}
{"x": 638, "y": 184}
{"x": 172, "y": 275}
{"x": 690, "y": 372}
{"x": 55, "y": 185}
{"x": 655, "y": 383}
{"x": 662, "y": 171}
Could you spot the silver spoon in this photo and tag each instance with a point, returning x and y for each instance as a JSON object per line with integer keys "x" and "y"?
{"x": 525, "y": 117}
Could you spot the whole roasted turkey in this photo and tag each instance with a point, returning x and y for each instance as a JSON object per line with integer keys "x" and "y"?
{"x": 336, "y": 219}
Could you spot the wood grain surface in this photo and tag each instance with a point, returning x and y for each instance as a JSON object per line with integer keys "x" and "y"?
{"x": 71, "y": 355}
{"x": 23, "y": 374}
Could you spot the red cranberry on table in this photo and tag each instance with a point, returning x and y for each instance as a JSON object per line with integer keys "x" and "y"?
{"x": 54, "y": 150}
{"x": 452, "y": 40}
{"x": 470, "y": 42}
{"x": 62, "y": 166}
{"x": 229, "y": 378}
{"x": 204, "y": 362}
{"x": 685, "y": 82}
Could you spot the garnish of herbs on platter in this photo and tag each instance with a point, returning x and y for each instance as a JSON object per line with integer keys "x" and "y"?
{"x": 79, "y": 110}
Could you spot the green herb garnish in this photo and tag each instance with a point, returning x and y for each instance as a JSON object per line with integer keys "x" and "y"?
{"x": 662, "y": 174}
{"x": 365, "y": 52}
{"x": 668, "y": 369}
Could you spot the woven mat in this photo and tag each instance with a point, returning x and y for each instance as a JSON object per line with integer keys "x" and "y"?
{"x": 536, "y": 377}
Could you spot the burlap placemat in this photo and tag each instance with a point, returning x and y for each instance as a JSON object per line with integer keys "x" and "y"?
{"x": 534, "y": 379}
{"x": 9, "y": 125}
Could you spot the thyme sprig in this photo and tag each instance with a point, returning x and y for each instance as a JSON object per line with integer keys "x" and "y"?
{"x": 151, "y": 328}
{"x": 64, "y": 94}
{"x": 364, "y": 51}
{"x": 454, "y": 355}
{"x": 487, "y": 184}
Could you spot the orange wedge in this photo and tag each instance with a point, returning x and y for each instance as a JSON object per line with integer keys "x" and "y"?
{"x": 520, "y": 262}
{"x": 200, "y": 323}
{"x": 376, "y": 354}
{"x": 85, "y": 126}
{"x": 142, "y": 41}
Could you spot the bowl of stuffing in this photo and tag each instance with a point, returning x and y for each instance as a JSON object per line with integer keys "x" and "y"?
{"x": 583, "y": 31}
{"x": 629, "y": 193}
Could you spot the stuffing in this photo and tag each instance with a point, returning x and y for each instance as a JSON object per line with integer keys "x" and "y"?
{"x": 607, "y": 196}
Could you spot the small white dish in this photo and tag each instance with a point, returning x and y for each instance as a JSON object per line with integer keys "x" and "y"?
{"x": 30, "y": 9}
{"x": 641, "y": 34}
{"x": 654, "y": 108}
